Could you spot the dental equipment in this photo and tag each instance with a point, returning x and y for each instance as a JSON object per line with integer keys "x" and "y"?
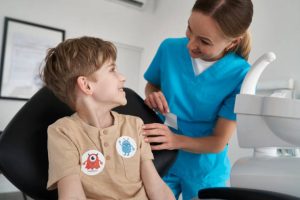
{"x": 266, "y": 123}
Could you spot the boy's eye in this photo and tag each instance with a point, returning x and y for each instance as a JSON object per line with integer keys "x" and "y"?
{"x": 113, "y": 69}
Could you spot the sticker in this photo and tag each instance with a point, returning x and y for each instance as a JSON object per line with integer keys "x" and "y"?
{"x": 126, "y": 146}
{"x": 93, "y": 162}
{"x": 171, "y": 120}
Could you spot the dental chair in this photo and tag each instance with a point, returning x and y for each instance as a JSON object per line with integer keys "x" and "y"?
{"x": 266, "y": 124}
{"x": 23, "y": 143}
{"x": 237, "y": 193}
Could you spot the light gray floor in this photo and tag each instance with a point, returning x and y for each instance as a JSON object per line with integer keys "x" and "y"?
{"x": 8, "y": 191}
{"x": 11, "y": 196}
{"x": 6, "y": 186}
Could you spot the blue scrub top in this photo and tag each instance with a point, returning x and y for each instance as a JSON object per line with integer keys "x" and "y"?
{"x": 198, "y": 101}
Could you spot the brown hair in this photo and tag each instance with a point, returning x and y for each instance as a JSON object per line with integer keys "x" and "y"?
{"x": 233, "y": 17}
{"x": 71, "y": 59}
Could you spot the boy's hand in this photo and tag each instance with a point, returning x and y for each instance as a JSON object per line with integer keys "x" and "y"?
{"x": 158, "y": 102}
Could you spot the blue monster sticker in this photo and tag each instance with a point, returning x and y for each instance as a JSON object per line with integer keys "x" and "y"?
{"x": 126, "y": 146}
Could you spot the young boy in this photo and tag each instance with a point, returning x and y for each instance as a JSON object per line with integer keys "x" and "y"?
{"x": 96, "y": 153}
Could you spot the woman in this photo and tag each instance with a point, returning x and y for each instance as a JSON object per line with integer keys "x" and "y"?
{"x": 193, "y": 82}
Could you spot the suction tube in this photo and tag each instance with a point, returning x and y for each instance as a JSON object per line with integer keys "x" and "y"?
{"x": 252, "y": 77}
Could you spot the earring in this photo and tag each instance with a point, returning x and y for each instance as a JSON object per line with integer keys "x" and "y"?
{"x": 227, "y": 50}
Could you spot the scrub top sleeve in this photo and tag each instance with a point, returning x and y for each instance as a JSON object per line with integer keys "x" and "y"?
{"x": 62, "y": 154}
{"x": 153, "y": 73}
{"x": 227, "y": 109}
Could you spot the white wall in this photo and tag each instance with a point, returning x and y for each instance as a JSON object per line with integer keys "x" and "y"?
{"x": 100, "y": 18}
{"x": 170, "y": 20}
{"x": 276, "y": 27}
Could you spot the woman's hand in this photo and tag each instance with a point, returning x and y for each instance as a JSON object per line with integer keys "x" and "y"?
{"x": 161, "y": 134}
{"x": 155, "y": 99}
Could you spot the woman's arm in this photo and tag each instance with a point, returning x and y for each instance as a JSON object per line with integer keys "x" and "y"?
{"x": 70, "y": 188}
{"x": 151, "y": 88}
{"x": 156, "y": 189}
{"x": 215, "y": 143}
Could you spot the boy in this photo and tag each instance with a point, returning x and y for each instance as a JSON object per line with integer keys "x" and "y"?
{"x": 96, "y": 153}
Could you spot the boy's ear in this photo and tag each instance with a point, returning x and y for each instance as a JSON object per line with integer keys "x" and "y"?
{"x": 84, "y": 85}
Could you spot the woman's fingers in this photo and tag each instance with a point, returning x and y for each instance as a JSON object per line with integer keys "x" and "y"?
{"x": 164, "y": 103}
{"x": 152, "y": 101}
{"x": 152, "y": 128}
{"x": 156, "y": 139}
{"x": 157, "y": 101}
{"x": 160, "y": 135}
{"x": 153, "y": 132}
{"x": 159, "y": 147}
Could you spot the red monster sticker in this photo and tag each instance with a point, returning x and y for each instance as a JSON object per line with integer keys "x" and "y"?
{"x": 93, "y": 162}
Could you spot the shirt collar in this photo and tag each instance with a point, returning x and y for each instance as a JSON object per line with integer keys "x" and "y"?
{"x": 94, "y": 132}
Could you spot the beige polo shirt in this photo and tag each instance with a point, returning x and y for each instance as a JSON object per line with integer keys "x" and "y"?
{"x": 108, "y": 160}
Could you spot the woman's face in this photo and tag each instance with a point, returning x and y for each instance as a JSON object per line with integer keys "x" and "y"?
{"x": 206, "y": 40}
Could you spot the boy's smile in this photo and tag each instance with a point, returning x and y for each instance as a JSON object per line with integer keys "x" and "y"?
{"x": 108, "y": 85}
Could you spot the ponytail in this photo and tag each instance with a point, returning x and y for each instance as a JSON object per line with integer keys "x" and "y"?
{"x": 244, "y": 47}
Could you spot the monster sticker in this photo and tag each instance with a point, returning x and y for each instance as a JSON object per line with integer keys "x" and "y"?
{"x": 92, "y": 162}
{"x": 126, "y": 146}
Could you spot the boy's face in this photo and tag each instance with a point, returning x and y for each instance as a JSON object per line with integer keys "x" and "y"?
{"x": 108, "y": 84}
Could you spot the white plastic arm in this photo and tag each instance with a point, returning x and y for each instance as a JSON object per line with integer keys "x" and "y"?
{"x": 252, "y": 77}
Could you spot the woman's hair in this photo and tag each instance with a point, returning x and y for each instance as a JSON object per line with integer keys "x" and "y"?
{"x": 233, "y": 17}
{"x": 71, "y": 59}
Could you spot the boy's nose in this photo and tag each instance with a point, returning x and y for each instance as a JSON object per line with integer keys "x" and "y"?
{"x": 122, "y": 77}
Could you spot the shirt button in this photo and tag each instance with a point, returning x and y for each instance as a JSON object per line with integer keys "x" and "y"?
{"x": 106, "y": 144}
{"x": 105, "y": 132}
{"x": 107, "y": 157}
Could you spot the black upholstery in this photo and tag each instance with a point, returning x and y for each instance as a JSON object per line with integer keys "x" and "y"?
{"x": 233, "y": 193}
{"x": 23, "y": 143}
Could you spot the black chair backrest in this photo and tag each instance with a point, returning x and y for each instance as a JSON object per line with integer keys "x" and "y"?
{"x": 23, "y": 143}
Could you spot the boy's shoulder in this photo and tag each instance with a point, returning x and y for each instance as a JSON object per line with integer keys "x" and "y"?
{"x": 66, "y": 121}
{"x": 123, "y": 118}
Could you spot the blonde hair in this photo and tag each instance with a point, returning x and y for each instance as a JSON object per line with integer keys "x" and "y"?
{"x": 71, "y": 59}
{"x": 233, "y": 17}
{"x": 244, "y": 47}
